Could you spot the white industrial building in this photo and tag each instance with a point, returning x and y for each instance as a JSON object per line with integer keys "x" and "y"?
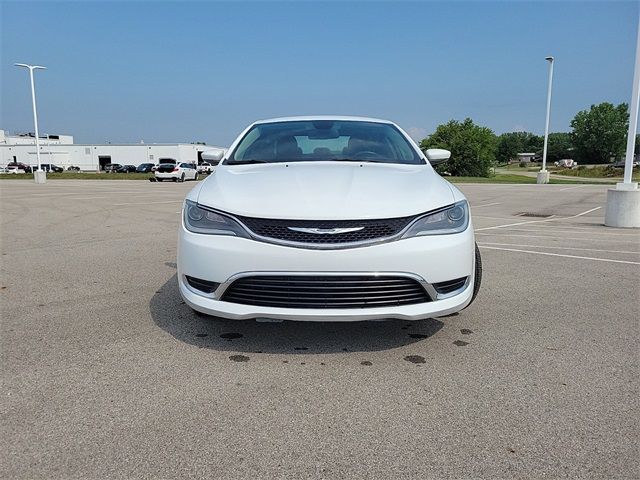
{"x": 61, "y": 151}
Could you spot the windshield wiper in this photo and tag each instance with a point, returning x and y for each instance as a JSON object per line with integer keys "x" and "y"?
{"x": 246, "y": 162}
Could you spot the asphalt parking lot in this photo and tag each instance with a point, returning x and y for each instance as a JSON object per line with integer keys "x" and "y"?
{"x": 106, "y": 373}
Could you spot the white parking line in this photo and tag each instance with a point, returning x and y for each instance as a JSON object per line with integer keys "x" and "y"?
{"x": 144, "y": 203}
{"x": 569, "y": 226}
{"x": 478, "y": 215}
{"x": 560, "y": 255}
{"x": 485, "y": 205}
{"x": 570, "y": 188}
{"x": 72, "y": 195}
{"x": 554, "y": 237}
{"x": 560, "y": 230}
{"x": 559, "y": 248}
{"x": 86, "y": 198}
{"x": 539, "y": 221}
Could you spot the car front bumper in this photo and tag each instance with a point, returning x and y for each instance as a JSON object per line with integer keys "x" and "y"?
{"x": 428, "y": 259}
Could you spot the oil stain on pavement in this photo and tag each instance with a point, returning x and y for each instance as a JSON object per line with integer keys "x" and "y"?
{"x": 239, "y": 358}
{"x": 231, "y": 336}
{"x": 415, "y": 359}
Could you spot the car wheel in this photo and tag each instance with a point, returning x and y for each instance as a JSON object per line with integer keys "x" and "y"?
{"x": 195, "y": 177}
{"x": 477, "y": 278}
{"x": 174, "y": 179}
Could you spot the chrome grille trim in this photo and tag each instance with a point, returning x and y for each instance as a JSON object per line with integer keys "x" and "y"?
{"x": 429, "y": 288}
{"x": 357, "y": 232}
{"x": 326, "y": 246}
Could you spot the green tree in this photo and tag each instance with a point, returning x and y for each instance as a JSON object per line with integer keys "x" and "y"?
{"x": 599, "y": 134}
{"x": 512, "y": 143}
{"x": 473, "y": 148}
{"x": 560, "y": 146}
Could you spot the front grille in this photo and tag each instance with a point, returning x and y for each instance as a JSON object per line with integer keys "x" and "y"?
{"x": 450, "y": 285}
{"x": 320, "y": 291}
{"x": 372, "y": 229}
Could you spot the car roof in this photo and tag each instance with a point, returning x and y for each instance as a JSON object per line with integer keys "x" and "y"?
{"x": 323, "y": 117}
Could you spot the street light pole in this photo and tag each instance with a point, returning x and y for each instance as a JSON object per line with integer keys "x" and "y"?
{"x": 39, "y": 176}
{"x": 543, "y": 175}
{"x": 623, "y": 202}
{"x": 633, "y": 119}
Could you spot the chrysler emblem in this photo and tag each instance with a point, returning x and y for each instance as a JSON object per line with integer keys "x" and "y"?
{"x": 325, "y": 231}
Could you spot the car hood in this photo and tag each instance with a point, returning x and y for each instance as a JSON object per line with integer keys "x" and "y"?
{"x": 325, "y": 190}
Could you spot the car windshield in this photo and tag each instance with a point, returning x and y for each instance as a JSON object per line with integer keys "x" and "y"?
{"x": 324, "y": 140}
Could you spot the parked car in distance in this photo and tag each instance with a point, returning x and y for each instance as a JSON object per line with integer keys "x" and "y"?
{"x": 20, "y": 166}
{"x": 72, "y": 168}
{"x": 111, "y": 167}
{"x": 566, "y": 163}
{"x": 205, "y": 168}
{"x": 178, "y": 173}
{"x": 126, "y": 169}
{"x": 621, "y": 164}
{"x": 145, "y": 168}
{"x": 13, "y": 169}
{"x": 327, "y": 219}
{"x": 49, "y": 167}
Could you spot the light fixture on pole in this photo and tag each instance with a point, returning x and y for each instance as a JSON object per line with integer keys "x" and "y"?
{"x": 39, "y": 176}
{"x": 623, "y": 202}
{"x": 543, "y": 175}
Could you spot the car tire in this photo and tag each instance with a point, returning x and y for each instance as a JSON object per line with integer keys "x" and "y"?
{"x": 174, "y": 179}
{"x": 196, "y": 177}
{"x": 477, "y": 277}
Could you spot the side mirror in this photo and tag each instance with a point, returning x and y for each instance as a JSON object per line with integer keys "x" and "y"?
{"x": 213, "y": 156}
{"x": 437, "y": 155}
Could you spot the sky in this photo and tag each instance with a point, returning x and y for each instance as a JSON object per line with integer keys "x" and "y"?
{"x": 125, "y": 72}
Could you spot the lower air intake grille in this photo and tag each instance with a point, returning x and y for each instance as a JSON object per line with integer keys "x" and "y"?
{"x": 309, "y": 291}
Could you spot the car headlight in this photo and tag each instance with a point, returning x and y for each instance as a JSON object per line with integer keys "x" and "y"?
{"x": 451, "y": 219}
{"x": 200, "y": 220}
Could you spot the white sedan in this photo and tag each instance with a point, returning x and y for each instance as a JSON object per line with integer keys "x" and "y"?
{"x": 178, "y": 172}
{"x": 327, "y": 218}
{"x": 13, "y": 169}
